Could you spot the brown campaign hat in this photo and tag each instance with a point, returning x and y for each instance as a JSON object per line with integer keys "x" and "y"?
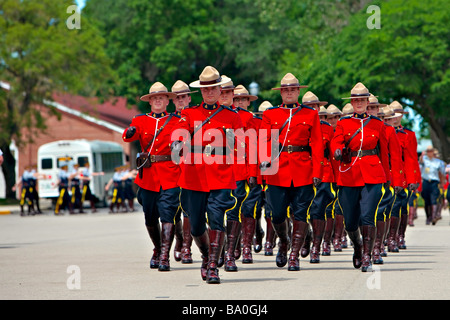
{"x": 310, "y": 98}
{"x": 397, "y": 107}
{"x": 158, "y": 89}
{"x": 241, "y": 92}
{"x": 332, "y": 110}
{"x": 348, "y": 109}
{"x": 389, "y": 113}
{"x": 323, "y": 111}
{"x": 290, "y": 81}
{"x": 227, "y": 85}
{"x": 359, "y": 91}
{"x": 263, "y": 107}
{"x": 209, "y": 77}
{"x": 373, "y": 101}
{"x": 180, "y": 88}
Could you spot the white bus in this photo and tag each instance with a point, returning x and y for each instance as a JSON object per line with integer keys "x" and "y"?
{"x": 101, "y": 155}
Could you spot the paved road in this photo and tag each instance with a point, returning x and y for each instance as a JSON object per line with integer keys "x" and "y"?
{"x": 105, "y": 256}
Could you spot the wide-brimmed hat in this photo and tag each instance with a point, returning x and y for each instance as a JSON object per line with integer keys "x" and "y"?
{"x": 310, "y": 98}
{"x": 347, "y": 109}
{"x": 332, "y": 110}
{"x": 290, "y": 81}
{"x": 359, "y": 91}
{"x": 373, "y": 101}
{"x": 209, "y": 77}
{"x": 389, "y": 113}
{"x": 397, "y": 107}
{"x": 180, "y": 88}
{"x": 323, "y": 111}
{"x": 263, "y": 107}
{"x": 227, "y": 85}
{"x": 158, "y": 89}
{"x": 241, "y": 92}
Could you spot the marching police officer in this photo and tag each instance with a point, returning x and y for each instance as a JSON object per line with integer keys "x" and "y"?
{"x": 207, "y": 176}
{"x": 360, "y": 143}
{"x": 298, "y": 148}
{"x": 157, "y": 178}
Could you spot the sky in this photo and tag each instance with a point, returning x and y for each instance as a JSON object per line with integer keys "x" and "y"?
{"x": 80, "y": 3}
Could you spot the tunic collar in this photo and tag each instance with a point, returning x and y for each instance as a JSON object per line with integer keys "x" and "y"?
{"x": 158, "y": 115}
{"x": 290, "y": 106}
{"x": 360, "y": 116}
{"x": 210, "y": 107}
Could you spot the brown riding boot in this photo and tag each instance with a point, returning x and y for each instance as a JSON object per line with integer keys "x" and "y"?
{"x": 318, "y": 227}
{"x": 338, "y": 232}
{"x": 368, "y": 233}
{"x": 202, "y": 243}
{"x": 155, "y": 235}
{"x": 326, "y": 245}
{"x": 281, "y": 230}
{"x": 401, "y": 231}
{"x": 248, "y": 230}
{"x": 392, "y": 235}
{"x": 186, "y": 255}
{"x": 411, "y": 215}
{"x": 299, "y": 231}
{"x": 355, "y": 237}
{"x": 381, "y": 226}
{"x": 215, "y": 249}
{"x": 306, "y": 248}
{"x": 233, "y": 229}
{"x": 178, "y": 240}
{"x": 167, "y": 235}
{"x": 270, "y": 238}
{"x": 259, "y": 235}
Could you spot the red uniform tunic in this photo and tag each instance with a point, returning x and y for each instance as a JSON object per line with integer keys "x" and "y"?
{"x": 201, "y": 172}
{"x": 370, "y": 169}
{"x": 241, "y": 164}
{"x": 327, "y": 136}
{"x": 164, "y": 174}
{"x": 412, "y": 148}
{"x": 409, "y": 160}
{"x": 297, "y": 168}
{"x": 396, "y": 175}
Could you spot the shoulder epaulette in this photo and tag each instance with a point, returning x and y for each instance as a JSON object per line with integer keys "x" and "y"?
{"x": 387, "y": 125}
{"x": 407, "y": 129}
{"x": 229, "y": 108}
{"x": 346, "y": 117}
{"x": 324, "y": 122}
{"x": 238, "y": 108}
{"x": 305, "y": 106}
{"x": 256, "y": 117}
{"x": 274, "y": 107}
{"x": 374, "y": 117}
{"x": 138, "y": 115}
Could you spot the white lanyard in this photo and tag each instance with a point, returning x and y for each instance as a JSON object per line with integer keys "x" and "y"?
{"x": 360, "y": 148}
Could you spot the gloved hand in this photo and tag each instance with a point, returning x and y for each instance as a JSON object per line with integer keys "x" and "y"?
{"x": 316, "y": 181}
{"x": 264, "y": 165}
{"x": 130, "y": 132}
{"x": 387, "y": 185}
{"x": 397, "y": 189}
{"x": 338, "y": 154}
{"x": 252, "y": 182}
{"x": 412, "y": 187}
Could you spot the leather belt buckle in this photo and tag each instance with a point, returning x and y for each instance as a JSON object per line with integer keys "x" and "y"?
{"x": 207, "y": 150}
{"x": 152, "y": 158}
{"x": 289, "y": 149}
{"x": 359, "y": 153}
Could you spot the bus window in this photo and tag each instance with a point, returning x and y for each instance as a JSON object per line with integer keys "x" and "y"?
{"x": 82, "y": 161}
{"x": 111, "y": 160}
{"x": 46, "y": 163}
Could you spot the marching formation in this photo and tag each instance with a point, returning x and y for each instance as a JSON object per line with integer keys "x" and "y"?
{"x": 209, "y": 173}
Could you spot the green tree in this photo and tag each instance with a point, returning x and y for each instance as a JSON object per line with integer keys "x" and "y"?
{"x": 407, "y": 59}
{"x": 40, "y": 55}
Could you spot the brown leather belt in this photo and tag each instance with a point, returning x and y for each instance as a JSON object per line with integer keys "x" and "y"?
{"x": 290, "y": 149}
{"x": 159, "y": 158}
{"x": 363, "y": 153}
{"x": 210, "y": 150}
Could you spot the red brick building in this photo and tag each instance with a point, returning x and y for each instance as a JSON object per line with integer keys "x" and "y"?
{"x": 81, "y": 118}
